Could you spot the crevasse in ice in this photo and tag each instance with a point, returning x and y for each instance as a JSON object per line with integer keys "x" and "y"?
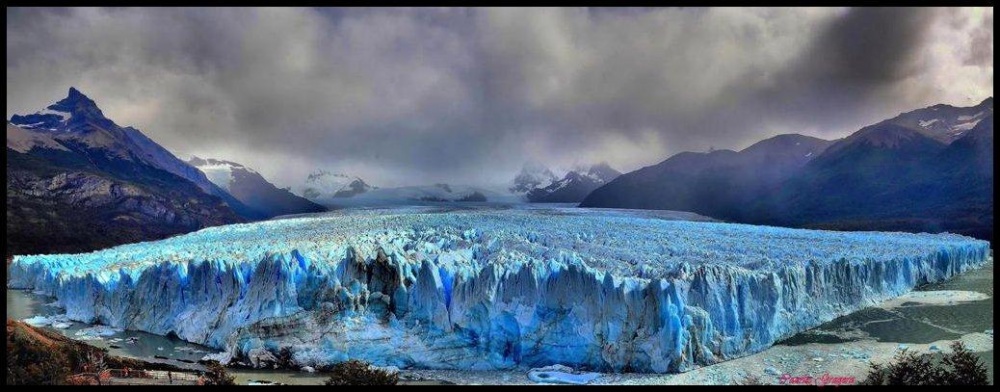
{"x": 493, "y": 289}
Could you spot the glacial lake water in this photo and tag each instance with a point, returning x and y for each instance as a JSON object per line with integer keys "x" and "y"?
{"x": 24, "y": 304}
{"x": 906, "y": 324}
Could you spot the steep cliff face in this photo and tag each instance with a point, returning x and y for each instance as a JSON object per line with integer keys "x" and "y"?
{"x": 501, "y": 289}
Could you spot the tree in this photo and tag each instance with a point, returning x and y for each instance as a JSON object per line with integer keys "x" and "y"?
{"x": 93, "y": 362}
{"x": 966, "y": 368}
{"x": 218, "y": 375}
{"x": 961, "y": 367}
{"x": 355, "y": 372}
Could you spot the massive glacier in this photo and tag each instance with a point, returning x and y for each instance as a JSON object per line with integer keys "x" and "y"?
{"x": 492, "y": 288}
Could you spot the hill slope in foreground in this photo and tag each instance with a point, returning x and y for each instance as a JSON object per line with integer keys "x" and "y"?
{"x": 37, "y": 356}
{"x": 493, "y": 289}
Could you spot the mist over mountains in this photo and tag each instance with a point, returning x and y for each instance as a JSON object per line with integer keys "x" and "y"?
{"x": 925, "y": 170}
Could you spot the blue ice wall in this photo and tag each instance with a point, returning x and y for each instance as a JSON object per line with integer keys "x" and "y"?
{"x": 493, "y": 289}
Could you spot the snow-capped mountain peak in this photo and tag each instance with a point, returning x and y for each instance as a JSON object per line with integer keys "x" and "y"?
{"x": 945, "y": 123}
{"x": 65, "y": 115}
{"x": 575, "y": 185}
{"x": 324, "y": 185}
{"x": 533, "y": 175}
{"x": 78, "y": 105}
{"x": 76, "y": 122}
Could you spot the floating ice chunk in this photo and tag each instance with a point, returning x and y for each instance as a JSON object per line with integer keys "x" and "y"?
{"x": 38, "y": 321}
{"x": 96, "y": 332}
{"x": 935, "y": 298}
{"x": 60, "y": 321}
{"x": 560, "y": 374}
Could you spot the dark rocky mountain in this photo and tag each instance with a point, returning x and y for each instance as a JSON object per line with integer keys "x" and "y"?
{"x": 909, "y": 182}
{"x": 77, "y": 120}
{"x": 250, "y": 188}
{"x": 900, "y": 174}
{"x": 67, "y": 198}
{"x": 944, "y": 123}
{"x": 76, "y": 182}
{"x": 574, "y": 186}
{"x": 718, "y": 183}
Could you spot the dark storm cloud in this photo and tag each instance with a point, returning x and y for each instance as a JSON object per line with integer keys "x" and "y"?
{"x": 855, "y": 61}
{"x": 869, "y": 46}
{"x": 412, "y": 96}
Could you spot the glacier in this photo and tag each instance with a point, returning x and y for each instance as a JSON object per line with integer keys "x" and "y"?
{"x": 480, "y": 289}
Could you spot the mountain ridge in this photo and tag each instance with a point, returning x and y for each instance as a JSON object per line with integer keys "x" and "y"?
{"x": 891, "y": 175}
{"x": 78, "y": 182}
{"x": 575, "y": 185}
{"x": 251, "y": 188}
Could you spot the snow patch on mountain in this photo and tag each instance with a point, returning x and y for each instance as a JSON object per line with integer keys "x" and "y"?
{"x": 945, "y": 123}
{"x": 24, "y": 140}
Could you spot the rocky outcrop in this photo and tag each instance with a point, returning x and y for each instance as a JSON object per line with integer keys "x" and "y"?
{"x": 63, "y": 208}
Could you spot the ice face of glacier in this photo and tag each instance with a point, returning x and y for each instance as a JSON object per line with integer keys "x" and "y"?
{"x": 489, "y": 289}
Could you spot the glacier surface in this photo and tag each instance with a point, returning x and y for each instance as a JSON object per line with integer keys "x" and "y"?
{"x": 604, "y": 290}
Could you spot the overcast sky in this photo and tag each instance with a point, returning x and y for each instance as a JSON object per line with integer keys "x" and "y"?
{"x": 409, "y": 97}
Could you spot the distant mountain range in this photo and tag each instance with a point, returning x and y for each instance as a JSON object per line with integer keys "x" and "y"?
{"x": 323, "y": 186}
{"x": 250, "y": 188}
{"x": 574, "y": 186}
{"x": 926, "y": 170}
{"x": 76, "y": 181}
{"x": 421, "y": 195}
{"x": 335, "y": 190}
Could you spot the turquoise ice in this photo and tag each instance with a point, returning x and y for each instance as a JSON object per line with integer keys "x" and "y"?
{"x": 604, "y": 290}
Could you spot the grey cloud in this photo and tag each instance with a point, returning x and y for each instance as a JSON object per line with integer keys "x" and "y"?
{"x": 409, "y": 96}
{"x": 869, "y": 46}
{"x": 981, "y": 47}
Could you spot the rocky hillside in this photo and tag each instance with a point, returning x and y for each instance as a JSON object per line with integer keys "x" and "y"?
{"x": 77, "y": 182}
